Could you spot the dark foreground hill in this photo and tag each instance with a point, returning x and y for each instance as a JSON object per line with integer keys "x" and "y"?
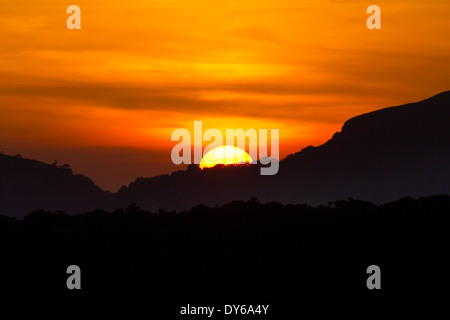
{"x": 379, "y": 156}
{"x": 26, "y": 185}
{"x": 243, "y": 250}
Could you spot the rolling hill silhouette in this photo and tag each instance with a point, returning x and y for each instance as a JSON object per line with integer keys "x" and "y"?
{"x": 379, "y": 156}
{"x": 26, "y": 185}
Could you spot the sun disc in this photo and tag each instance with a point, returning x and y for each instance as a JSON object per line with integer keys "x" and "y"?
{"x": 225, "y": 155}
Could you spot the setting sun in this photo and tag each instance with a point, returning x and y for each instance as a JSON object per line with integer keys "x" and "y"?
{"x": 225, "y": 155}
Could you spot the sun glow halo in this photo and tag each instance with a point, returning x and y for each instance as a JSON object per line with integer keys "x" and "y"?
{"x": 225, "y": 155}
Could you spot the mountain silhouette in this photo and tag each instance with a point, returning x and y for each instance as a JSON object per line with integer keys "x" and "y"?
{"x": 379, "y": 156}
{"x": 26, "y": 185}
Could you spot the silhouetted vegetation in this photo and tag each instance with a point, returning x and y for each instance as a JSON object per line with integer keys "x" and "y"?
{"x": 239, "y": 250}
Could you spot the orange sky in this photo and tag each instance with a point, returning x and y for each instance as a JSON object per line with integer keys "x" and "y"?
{"x": 107, "y": 97}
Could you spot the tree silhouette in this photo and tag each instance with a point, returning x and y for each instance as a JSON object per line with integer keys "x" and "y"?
{"x": 244, "y": 249}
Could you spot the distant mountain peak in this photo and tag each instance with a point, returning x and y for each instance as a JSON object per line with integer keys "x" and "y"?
{"x": 434, "y": 109}
{"x": 442, "y": 97}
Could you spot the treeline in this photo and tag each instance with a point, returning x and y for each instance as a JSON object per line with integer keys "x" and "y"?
{"x": 244, "y": 250}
